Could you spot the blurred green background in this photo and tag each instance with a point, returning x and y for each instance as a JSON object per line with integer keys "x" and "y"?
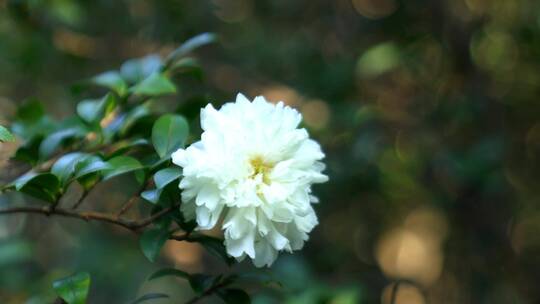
{"x": 427, "y": 110}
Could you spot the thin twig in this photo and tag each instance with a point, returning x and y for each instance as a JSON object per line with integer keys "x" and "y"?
{"x": 81, "y": 199}
{"x": 133, "y": 199}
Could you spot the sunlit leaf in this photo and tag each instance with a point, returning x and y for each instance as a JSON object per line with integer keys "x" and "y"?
{"x": 5, "y": 135}
{"x": 73, "y": 289}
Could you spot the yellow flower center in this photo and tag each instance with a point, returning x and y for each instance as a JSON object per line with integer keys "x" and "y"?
{"x": 260, "y": 166}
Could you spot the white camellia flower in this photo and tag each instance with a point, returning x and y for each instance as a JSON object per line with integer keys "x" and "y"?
{"x": 254, "y": 168}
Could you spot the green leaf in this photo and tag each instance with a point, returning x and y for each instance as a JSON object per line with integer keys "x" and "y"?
{"x": 135, "y": 70}
{"x": 30, "y": 121}
{"x": 169, "y": 272}
{"x": 90, "y": 164}
{"x": 73, "y": 289}
{"x": 179, "y": 218}
{"x": 154, "y": 85}
{"x": 151, "y": 242}
{"x": 234, "y": 296}
{"x": 152, "y": 195}
{"x": 150, "y": 296}
{"x": 201, "y": 282}
{"x": 5, "y": 135}
{"x": 45, "y": 186}
{"x": 169, "y": 134}
{"x": 121, "y": 165}
{"x": 94, "y": 110}
{"x": 52, "y": 142}
{"x": 112, "y": 80}
{"x": 166, "y": 176}
{"x": 190, "y": 45}
{"x": 132, "y": 117}
{"x": 125, "y": 146}
{"x": 214, "y": 246}
{"x": 64, "y": 167}
{"x": 29, "y": 151}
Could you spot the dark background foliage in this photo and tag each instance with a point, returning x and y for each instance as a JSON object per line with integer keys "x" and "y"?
{"x": 427, "y": 111}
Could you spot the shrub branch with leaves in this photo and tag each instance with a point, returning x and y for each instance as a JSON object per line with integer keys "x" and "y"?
{"x": 253, "y": 168}
{"x": 100, "y": 143}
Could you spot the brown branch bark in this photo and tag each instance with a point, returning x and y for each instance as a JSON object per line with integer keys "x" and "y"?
{"x": 133, "y": 199}
{"x": 133, "y": 225}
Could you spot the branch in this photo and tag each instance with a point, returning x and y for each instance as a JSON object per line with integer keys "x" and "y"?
{"x": 133, "y": 199}
{"x": 132, "y": 225}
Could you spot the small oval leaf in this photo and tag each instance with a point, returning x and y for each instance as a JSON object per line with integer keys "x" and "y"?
{"x": 169, "y": 134}
{"x": 151, "y": 242}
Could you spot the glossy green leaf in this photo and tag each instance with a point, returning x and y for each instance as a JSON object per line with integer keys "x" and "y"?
{"x": 234, "y": 296}
{"x": 121, "y": 165}
{"x": 90, "y": 164}
{"x": 169, "y": 134}
{"x": 94, "y": 110}
{"x": 55, "y": 140}
{"x": 132, "y": 117}
{"x": 150, "y": 296}
{"x": 45, "y": 186}
{"x": 151, "y": 242}
{"x": 29, "y": 151}
{"x": 112, "y": 80}
{"x": 152, "y": 195}
{"x": 169, "y": 272}
{"x": 73, "y": 289}
{"x": 126, "y": 146}
{"x": 5, "y": 135}
{"x": 154, "y": 85}
{"x": 64, "y": 167}
{"x": 166, "y": 176}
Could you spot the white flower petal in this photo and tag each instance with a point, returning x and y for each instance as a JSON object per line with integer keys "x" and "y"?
{"x": 254, "y": 167}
